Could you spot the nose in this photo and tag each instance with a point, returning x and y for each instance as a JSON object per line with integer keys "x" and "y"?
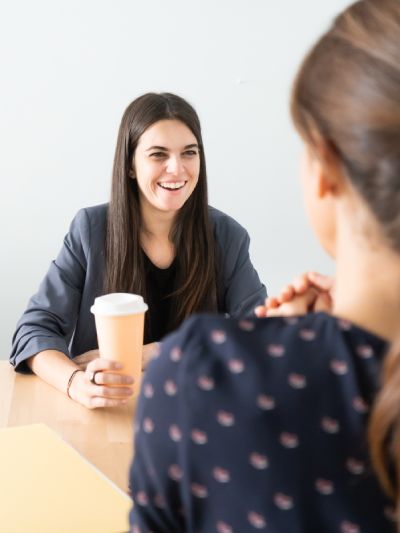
{"x": 174, "y": 165}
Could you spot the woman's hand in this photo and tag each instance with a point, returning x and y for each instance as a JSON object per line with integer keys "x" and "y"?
{"x": 83, "y": 360}
{"x": 310, "y": 292}
{"x": 101, "y": 384}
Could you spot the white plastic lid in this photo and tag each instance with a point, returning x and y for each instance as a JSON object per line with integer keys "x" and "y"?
{"x": 118, "y": 304}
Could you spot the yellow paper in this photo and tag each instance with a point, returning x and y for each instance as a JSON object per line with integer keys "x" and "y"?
{"x": 48, "y": 487}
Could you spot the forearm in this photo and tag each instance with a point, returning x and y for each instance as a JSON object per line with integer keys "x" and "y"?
{"x": 54, "y": 367}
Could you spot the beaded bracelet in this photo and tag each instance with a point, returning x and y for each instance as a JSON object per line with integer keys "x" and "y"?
{"x": 71, "y": 377}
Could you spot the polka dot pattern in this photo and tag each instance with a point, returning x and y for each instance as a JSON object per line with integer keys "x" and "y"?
{"x": 259, "y": 419}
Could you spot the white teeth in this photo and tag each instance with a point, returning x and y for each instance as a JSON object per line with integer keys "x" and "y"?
{"x": 172, "y": 185}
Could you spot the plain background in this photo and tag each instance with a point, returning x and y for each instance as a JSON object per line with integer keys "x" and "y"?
{"x": 70, "y": 68}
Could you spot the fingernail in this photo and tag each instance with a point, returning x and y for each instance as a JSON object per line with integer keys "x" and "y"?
{"x": 118, "y": 365}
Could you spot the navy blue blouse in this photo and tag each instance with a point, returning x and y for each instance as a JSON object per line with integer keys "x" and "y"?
{"x": 259, "y": 424}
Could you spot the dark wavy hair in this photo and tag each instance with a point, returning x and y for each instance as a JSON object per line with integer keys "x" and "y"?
{"x": 347, "y": 93}
{"x": 192, "y": 233}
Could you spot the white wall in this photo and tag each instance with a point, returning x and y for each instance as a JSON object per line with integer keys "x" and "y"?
{"x": 68, "y": 70}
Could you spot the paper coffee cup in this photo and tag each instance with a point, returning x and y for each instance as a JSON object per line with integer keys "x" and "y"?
{"x": 119, "y": 321}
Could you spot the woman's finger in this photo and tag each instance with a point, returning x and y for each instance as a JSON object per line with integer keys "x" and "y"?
{"x": 320, "y": 281}
{"x": 287, "y": 293}
{"x": 99, "y": 401}
{"x": 110, "y": 378}
{"x": 100, "y": 364}
{"x": 260, "y": 311}
{"x": 104, "y": 391}
{"x": 301, "y": 283}
{"x": 323, "y": 303}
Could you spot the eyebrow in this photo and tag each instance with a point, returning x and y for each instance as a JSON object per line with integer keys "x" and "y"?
{"x": 164, "y": 149}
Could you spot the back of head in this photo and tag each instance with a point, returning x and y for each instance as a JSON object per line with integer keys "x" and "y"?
{"x": 347, "y": 92}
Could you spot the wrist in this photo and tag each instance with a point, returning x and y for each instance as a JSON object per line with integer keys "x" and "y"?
{"x": 72, "y": 382}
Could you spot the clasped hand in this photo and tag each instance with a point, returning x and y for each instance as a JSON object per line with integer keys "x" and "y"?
{"x": 309, "y": 292}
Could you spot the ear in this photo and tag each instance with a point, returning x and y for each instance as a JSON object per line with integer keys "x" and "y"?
{"x": 132, "y": 174}
{"x": 327, "y": 169}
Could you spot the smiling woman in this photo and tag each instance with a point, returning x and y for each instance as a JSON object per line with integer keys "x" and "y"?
{"x": 157, "y": 237}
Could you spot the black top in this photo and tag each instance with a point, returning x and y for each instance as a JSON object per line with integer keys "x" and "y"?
{"x": 259, "y": 425}
{"x": 160, "y": 283}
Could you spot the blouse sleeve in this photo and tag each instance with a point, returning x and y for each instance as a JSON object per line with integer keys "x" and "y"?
{"x": 50, "y": 317}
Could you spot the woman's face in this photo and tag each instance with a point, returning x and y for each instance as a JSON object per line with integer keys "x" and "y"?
{"x": 166, "y": 165}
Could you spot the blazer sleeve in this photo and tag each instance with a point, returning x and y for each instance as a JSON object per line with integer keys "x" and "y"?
{"x": 240, "y": 287}
{"x": 50, "y": 317}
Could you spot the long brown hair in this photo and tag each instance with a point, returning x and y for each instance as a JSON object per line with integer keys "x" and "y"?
{"x": 347, "y": 93}
{"x": 192, "y": 233}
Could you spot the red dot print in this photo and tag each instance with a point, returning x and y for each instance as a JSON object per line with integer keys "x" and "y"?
{"x": 198, "y": 490}
{"x": 275, "y": 350}
{"x": 175, "y": 354}
{"x": 349, "y": 527}
{"x": 365, "y": 351}
{"x": 297, "y": 381}
{"x": 246, "y": 325}
{"x": 222, "y": 475}
{"x": 330, "y": 425}
{"x": 223, "y": 527}
{"x": 199, "y": 437}
{"x": 354, "y": 466}
{"x": 289, "y": 440}
{"x": 267, "y": 403}
{"x": 148, "y": 425}
{"x": 307, "y": 334}
{"x": 236, "y": 366}
{"x": 283, "y": 501}
{"x": 256, "y": 520}
{"x": 225, "y": 419}
{"x": 360, "y": 405}
{"x": 324, "y": 486}
{"x": 338, "y": 367}
{"x": 206, "y": 383}
{"x": 141, "y": 498}
{"x": 259, "y": 461}
{"x": 175, "y": 472}
{"x": 175, "y": 433}
{"x": 148, "y": 390}
{"x": 218, "y": 336}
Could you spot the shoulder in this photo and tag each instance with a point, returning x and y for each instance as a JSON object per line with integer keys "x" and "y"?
{"x": 303, "y": 348}
{"x": 226, "y": 228}
{"x": 90, "y": 221}
{"x": 87, "y": 229}
{"x": 95, "y": 215}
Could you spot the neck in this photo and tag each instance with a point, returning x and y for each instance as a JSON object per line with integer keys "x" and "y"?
{"x": 367, "y": 288}
{"x": 156, "y": 224}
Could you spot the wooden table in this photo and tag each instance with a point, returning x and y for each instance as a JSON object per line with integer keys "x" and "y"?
{"x": 102, "y": 436}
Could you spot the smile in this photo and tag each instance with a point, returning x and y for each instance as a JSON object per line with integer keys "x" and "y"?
{"x": 172, "y": 185}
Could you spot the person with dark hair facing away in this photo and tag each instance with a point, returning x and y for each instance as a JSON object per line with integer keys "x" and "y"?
{"x": 158, "y": 238}
{"x": 291, "y": 424}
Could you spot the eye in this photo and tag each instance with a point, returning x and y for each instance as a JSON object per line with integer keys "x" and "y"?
{"x": 190, "y": 153}
{"x": 158, "y": 155}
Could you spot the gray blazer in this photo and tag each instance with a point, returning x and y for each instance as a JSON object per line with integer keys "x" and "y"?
{"x": 58, "y": 316}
